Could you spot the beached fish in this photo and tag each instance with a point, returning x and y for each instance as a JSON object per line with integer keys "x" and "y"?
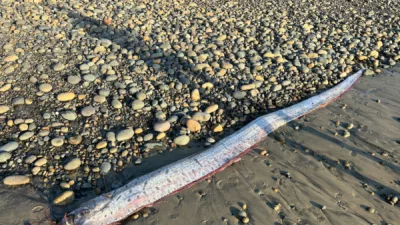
{"x": 150, "y": 188}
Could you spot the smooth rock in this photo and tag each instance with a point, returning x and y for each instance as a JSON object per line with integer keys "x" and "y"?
{"x": 125, "y": 134}
{"x": 72, "y": 164}
{"x": 65, "y": 198}
{"x": 161, "y": 126}
{"x": 16, "y": 180}
{"x": 182, "y": 140}
{"x": 9, "y": 147}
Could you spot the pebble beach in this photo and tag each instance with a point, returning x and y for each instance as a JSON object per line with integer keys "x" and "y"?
{"x": 93, "y": 90}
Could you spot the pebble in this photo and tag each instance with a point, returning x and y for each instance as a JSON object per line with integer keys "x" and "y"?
{"x": 45, "y": 88}
{"x": 57, "y": 142}
{"x": 58, "y": 67}
{"x": 69, "y": 115}
{"x": 4, "y": 109}
{"x": 72, "y": 164}
{"x": 75, "y": 140}
{"x": 162, "y": 126}
{"x": 105, "y": 167}
{"x": 137, "y": 104}
{"x": 125, "y": 134}
{"x": 26, "y": 135}
{"x": 182, "y": 140}
{"x": 9, "y": 147}
{"x": 4, "y": 157}
{"x": 211, "y": 108}
{"x": 88, "y": 111}
{"x": 16, "y": 180}
{"x": 201, "y": 116}
{"x": 195, "y": 95}
{"x": 193, "y": 125}
{"x": 40, "y": 162}
{"x": 65, "y": 198}
{"x": 66, "y": 96}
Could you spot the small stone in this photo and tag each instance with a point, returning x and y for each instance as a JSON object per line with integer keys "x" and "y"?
{"x": 75, "y": 140}
{"x": 195, "y": 95}
{"x": 371, "y": 210}
{"x": 137, "y": 104}
{"x": 239, "y": 94}
{"x": 125, "y": 134}
{"x": 4, "y": 157}
{"x": 101, "y": 144}
{"x": 9, "y": 147}
{"x": 16, "y": 180}
{"x": 346, "y": 134}
{"x": 248, "y": 87}
{"x": 105, "y": 167}
{"x": 4, "y": 109}
{"x": 73, "y": 79}
{"x": 201, "y": 116}
{"x": 162, "y": 126}
{"x": 218, "y": 128}
{"x": 211, "y": 108}
{"x": 26, "y": 135}
{"x": 58, "y": 67}
{"x": 246, "y": 220}
{"x": 69, "y": 115}
{"x": 57, "y": 142}
{"x": 5, "y": 87}
{"x": 65, "y": 198}
{"x": 193, "y": 125}
{"x": 88, "y": 111}
{"x": 182, "y": 140}
{"x": 66, "y": 96}
{"x": 9, "y": 70}
{"x": 45, "y": 88}
{"x": 10, "y": 58}
{"x": 41, "y": 162}
{"x": 73, "y": 164}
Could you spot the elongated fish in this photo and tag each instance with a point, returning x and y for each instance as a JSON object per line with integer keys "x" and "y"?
{"x": 150, "y": 188}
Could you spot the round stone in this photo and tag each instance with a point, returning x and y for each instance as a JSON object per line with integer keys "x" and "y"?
{"x": 125, "y": 134}
{"x": 4, "y": 109}
{"x": 45, "y": 88}
{"x": 9, "y": 147}
{"x": 116, "y": 104}
{"x": 137, "y": 104}
{"x": 75, "y": 140}
{"x": 16, "y": 180}
{"x": 72, "y": 164}
{"x": 69, "y": 115}
{"x": 182, "y": 140}
{"x": 141, "y": 96}
{"x": 4, "y": 157}
{"x": 73, "y": 79}
{"x": 105, "y": 167}
{"x": 88, "y": 111}
{"x": 64, "y": 198}
{"x": 26, "y": 135}
{"x": 58, "y": 67}
{"x": 201, "y": 116}
{"x": 57, "y": 142}
{"x": 161, "y": 126}
{"x": 193, "y": 125}
{"x": 211, "y": 108}
{"x": 66, "y": 96}
{"x": 41, "y": 162}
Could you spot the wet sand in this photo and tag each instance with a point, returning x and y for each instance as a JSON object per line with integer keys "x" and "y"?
{"x": 312, "y": 169}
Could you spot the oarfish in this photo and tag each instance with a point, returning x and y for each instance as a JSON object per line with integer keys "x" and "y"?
{"x": 146, "y": 190}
